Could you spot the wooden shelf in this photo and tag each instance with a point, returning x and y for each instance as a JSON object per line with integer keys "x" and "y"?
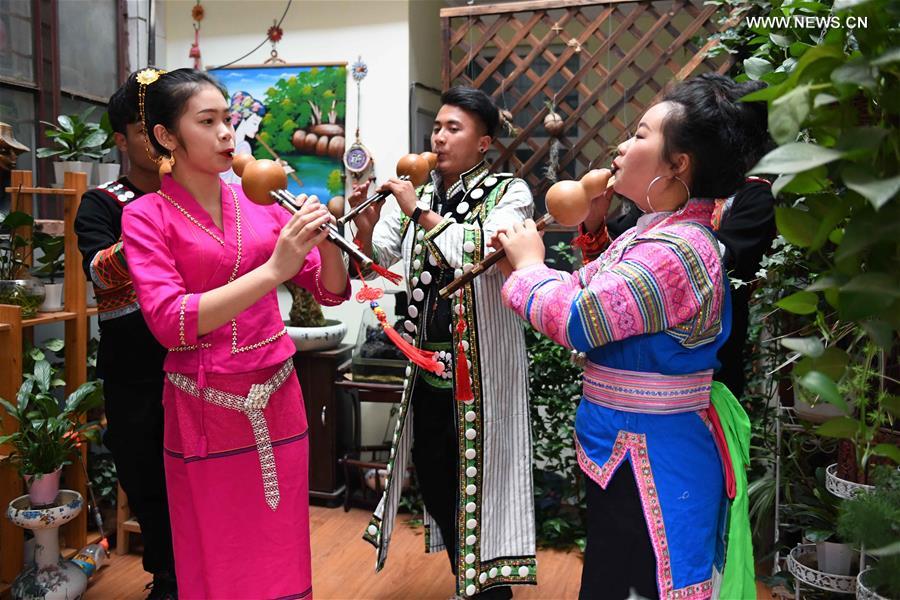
{"x": 74, "y": 535}
{"x": 131, "y": 526}
{"x": 50, "y": 317}
{"x": 92, "y": 311}
{"x": 41, "y": 190}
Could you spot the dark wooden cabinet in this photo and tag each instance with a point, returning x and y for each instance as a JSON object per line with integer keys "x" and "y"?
{"x": 317, "y": 372}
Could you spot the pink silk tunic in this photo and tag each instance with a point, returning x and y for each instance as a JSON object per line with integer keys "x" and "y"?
{"x": 238, "y": 498}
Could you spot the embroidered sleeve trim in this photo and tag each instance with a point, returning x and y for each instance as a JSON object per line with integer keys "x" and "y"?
{"x": 108, "y": 267}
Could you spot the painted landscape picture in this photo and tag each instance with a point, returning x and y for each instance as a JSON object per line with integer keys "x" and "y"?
{"x": 295, "y": 112}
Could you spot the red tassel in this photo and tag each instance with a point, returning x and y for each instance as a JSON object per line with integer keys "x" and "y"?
{"x": 389, "y": 275}
{"x": 463, "y": 387}
{"x": 423, "y": 358}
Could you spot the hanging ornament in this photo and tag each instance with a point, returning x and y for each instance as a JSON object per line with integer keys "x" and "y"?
{"x": 554, "y": 125}
{"x": 197, "y": 13}
{"x": 425, "y": 359}
{"x": 358, "y": 159}
{"x": 274, "y": 35}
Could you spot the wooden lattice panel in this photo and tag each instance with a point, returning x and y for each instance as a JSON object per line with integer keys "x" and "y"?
{"x": 602, "y": 62}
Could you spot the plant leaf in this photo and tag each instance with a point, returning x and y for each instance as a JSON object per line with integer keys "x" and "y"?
{"x": 797, "y": 226}
{"x": 841, "y": 427}
{"x": 795, "y": 158}
{"x": 877, "y": 191}
{"x": 832, "y": 362}
{"x": 820, "y": 384}
{"x": 799, "y": 303}
{"x": 888, "y": 451}
{"x": 788, "y": 113}
{"x": 756, "y": 67}
{"x": 807, "y": 346}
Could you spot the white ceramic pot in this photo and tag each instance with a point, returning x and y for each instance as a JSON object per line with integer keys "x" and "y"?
{"x": 834, "y": 558}
{"x": 53, "y": 297}
{"x": 107, "y": 172}
{"x": 61, "y": 167}
{"x": 317, "y": 338}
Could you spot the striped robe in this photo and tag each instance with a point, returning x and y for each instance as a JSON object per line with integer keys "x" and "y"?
{"x": 495, "y": 515}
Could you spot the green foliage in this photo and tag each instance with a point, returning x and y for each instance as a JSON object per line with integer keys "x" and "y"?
{"x": 51, "y": 259}
{"x": 15, "y": 249}
{"x": 104, "y": 479}
{"x": 48, "y": 431}
{"x": 75, "y": 138}
{"x": 833, "y": 111}
{"x": 873, "y": 520}
{"x": 301, "y": 102}
{"x": 554, "y": 393}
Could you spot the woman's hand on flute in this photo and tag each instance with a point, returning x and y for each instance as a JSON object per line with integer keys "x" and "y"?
{"x": 523, "y": 245}
{"x": 297, "y": 238}
{"x": 597, "y": 214}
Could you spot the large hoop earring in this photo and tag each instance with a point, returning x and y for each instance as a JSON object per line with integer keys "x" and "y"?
{"x": 685, "y": 186}
{"x": 650, "y": 204}
{"x": 676, "y": 178}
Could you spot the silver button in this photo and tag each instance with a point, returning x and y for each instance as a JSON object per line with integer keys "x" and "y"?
{"x": 477, "y": 193}
{"x": 418, "y": 295}
{"x": 506, "y": 570}
{"x": 426, "y": 277}
{"x": 463, "y": 207}
{"x": 490, "y": 181}
{"x": 471, "y": 471}
{"x": 469, "y": 246}
{"x": 413, "y": 311}
{"x": 470, "y": 453}
{"x": 471, "y": 524}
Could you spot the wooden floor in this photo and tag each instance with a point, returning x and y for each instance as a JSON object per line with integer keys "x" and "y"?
{"x": 343, "y": 567}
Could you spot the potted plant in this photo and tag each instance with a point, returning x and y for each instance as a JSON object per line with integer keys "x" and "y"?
{"x": 307, "y": 326}
{"x": 107, "y": 171}
{"x": 48, "y": 432}
{"x": 872, "y": 522}
{"x": 77, "y": 144}
{"x": 51, "y": 259}
{"x": 16, "y": 285}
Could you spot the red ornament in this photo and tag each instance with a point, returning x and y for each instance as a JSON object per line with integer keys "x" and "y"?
{"x": 275, "y": 34}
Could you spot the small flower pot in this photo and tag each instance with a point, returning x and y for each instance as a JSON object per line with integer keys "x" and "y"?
{"x": 53, "y": 297}
{"x": 43, "y": 489}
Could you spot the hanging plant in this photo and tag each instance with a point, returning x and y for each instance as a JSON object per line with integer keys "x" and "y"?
{"x": 554, "y": 125}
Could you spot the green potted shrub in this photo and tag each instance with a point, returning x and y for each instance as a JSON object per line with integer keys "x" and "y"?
{"x": 51, "y": 260}
{"x": 872, "y": 522}
{"x": 48, "y": 431}
{"x": 17, "y": 287}
{"x": 78, "y": 143}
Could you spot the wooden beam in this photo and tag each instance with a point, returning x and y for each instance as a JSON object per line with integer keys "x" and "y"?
{"x": 510, "y": 7}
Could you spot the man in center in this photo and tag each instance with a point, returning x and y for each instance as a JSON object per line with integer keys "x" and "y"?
{"x": 471, "y": 451}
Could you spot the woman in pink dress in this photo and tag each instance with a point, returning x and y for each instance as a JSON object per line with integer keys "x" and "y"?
{"x": 205, "y": 262}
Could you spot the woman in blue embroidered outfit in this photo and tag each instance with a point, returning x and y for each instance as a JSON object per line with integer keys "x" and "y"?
{"x": 205, "y": 262}
{"x": 650, "y": 313}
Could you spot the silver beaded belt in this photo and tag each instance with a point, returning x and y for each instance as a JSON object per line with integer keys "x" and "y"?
{"x": 251, "y": 405}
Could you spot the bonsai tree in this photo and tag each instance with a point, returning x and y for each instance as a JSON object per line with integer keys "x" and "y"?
{"x": 75, "y": 138}
{"x": 48, "y": 432}
{"x": 872, "y": 520}
{"x": 53, "y": 247}
{"x": 305, "y": 311}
